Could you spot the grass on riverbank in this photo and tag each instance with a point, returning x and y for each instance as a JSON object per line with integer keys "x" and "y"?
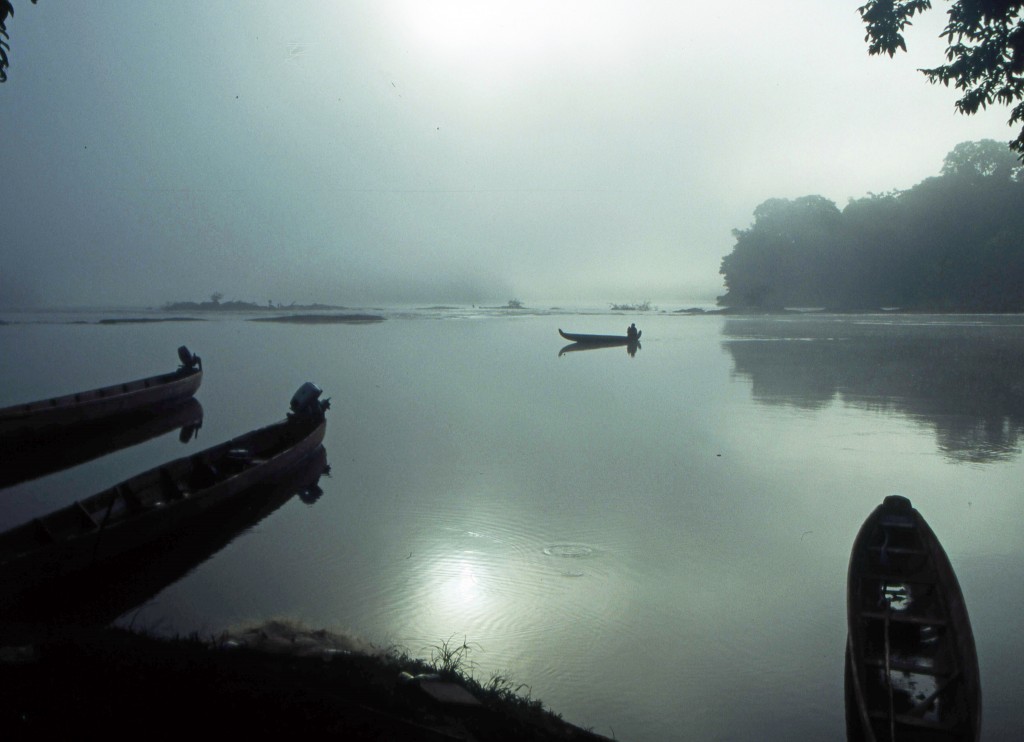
{"x": 269, "y": 680}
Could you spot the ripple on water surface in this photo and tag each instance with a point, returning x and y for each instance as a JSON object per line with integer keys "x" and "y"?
{"x": 509, "y": 589}
{"x": 569, "y": 551}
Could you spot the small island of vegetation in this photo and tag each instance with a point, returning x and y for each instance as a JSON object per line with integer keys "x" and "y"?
{"x": 952, "y": 243}
{"x": 326, "y": 314}
{"x": 215, "y": 304}
{"x": 643, "y": 306}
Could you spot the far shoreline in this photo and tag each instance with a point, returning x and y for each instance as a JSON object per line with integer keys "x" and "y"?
{"x": 322, "y": 319}
{"x": 312, "y": 314}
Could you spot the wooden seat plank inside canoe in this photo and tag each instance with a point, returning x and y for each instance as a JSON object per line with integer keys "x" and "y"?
{"x": 905, "y": 618}
{"x": 87, "y": 518}
{"x": 130, "y": 498}
{"x": 922, "y": 706}
{"x": 919, "y": 579}
{"x": 43, "y": 531}
{"x": 915, "y": 721}
{"x": 170, "y": 487}
{"x": 899, "y": 664}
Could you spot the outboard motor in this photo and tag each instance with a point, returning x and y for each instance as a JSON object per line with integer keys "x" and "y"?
{"x": 306, "y": 401}
{"x": 310, "y": 494}
{"x": 188, "y": 432}
{"x": 189, "y": 361}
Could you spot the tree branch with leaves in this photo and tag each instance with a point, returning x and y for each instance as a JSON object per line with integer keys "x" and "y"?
{"x": 984, "y": 56}
{"x": 6, "y": 11}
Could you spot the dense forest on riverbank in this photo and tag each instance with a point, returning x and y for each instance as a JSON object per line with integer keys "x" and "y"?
{"x": 954, "y": 242}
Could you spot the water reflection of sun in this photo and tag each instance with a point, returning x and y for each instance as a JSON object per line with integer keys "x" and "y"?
{"x": 461, "y": 586}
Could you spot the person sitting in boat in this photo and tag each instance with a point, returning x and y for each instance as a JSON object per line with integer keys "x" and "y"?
{"x": 632, "y": 333}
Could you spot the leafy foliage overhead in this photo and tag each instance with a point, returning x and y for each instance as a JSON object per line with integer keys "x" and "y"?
{"x": 6, "y": 11}
{"x": 984, "y": 56}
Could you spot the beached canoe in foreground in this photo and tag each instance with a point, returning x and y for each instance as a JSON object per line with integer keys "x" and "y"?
{"x": 599, "y": 339}
{"x": 912, "y": 668}
{"x": 97, "y": 404}
{"x": 96, "y": 597}
{"x": 155, "y": 503}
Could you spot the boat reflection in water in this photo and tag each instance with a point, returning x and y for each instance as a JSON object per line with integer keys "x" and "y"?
{"x": 632, "y": 346}
{"x": 911, "y": 665}
{"x": 32, "y": 456}
{"x": 98, "y": 596}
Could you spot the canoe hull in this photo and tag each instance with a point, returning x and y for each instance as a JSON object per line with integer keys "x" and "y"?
{"x": 42, "y": 416}
{"x": 150, "y": 505}
{"x": 913, "y": 668}
{"x": 97, "y": 596}
{"x": 598, "y": 339}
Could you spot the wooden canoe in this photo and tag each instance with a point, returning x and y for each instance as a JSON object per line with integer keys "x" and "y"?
{"x": 96, "y": 597}
{"x": 157, "y": 502}
{"x": 599, "y": 339}
{"x": 44, "y": 415}
{"x": 912, "y": 665}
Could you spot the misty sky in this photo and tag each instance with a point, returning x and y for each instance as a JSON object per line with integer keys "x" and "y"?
{"x": 436, "y": 150}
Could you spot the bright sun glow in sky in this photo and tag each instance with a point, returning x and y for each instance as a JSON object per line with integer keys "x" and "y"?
{"x": 516, "y": 33}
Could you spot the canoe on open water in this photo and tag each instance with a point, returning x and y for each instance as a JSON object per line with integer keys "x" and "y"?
{"x": 45, "y": 415}
{"x": 912, "y": 669}
{"x": 158, "y": 502}
{"x": 598, "y": 339}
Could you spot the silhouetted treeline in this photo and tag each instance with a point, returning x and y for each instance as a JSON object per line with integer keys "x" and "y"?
{"x": 951, "y": 243}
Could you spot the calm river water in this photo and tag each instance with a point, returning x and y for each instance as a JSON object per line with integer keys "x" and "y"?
{"x": 655, "y": 545}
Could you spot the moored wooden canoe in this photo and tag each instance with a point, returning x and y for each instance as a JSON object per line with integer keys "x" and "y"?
{"x": 44, "y": 415}
{"x": 155, "y": 503}
{"x": 913, "y": 668}
{"x": 96, "y": 597}
{"x": 598, "y": 339}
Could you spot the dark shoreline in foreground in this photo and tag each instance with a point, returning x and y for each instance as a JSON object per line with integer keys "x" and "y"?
{"x": 275, "y": 679}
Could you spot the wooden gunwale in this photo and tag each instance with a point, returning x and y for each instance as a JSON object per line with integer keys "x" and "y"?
{"x": 576, "y": 337}
{"x": 151, "y": 504}
{"x": 95, "y": 404}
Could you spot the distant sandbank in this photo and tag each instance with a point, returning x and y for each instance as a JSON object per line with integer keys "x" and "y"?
{"x": 322, "y": 319}
{"x": 143, "y": 320}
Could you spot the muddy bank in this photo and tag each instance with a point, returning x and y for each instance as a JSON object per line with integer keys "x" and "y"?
{"x": 274, "y": 679}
